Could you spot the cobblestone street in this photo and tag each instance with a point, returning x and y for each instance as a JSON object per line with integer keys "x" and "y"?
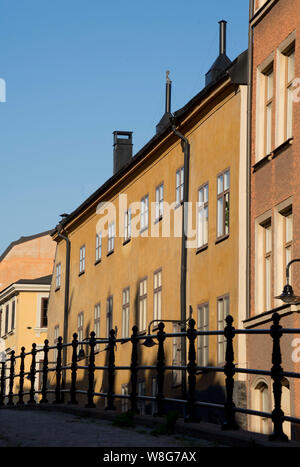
{"x": 56, "y": 429}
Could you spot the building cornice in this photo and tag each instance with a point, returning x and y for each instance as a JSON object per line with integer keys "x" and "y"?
{"x": 261, "y": 12}
{"x": 15, "y": 289}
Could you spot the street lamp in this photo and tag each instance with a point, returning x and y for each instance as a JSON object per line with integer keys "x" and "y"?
{"x": 288, "y": 295}
{"x": 149, "y": 342}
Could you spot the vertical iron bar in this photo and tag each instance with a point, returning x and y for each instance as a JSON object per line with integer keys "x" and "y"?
{"x": 21, "y": 383}
{"x": 59, "y": 346}
{"x": 32, "y": 375}
{"x": 111, "y": 371}
{"x": 91, "y": 370}
{"x": 229, "y": 371}
{"x": 191, "y": 368}
{"x": 160, "y": 370}
{"x": 276, "y": 374}
{"x": 11, "y": 378}
{"x": 44, "y": 399}
{"x": 73, "y": 399}
{"x": 134, "y": 370}
{"x": 2, "y": 385}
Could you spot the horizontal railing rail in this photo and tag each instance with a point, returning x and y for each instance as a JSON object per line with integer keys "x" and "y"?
{"x": 8, "y": 375}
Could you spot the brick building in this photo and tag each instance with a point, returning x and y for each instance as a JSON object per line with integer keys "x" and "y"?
{"x": 274, "y": 130}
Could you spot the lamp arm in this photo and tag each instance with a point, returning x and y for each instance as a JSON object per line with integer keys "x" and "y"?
{"x": 288, "y": 269}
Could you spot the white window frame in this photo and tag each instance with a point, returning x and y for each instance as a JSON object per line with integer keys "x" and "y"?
{"x": 223, "y": 310}
{"x": 202, "y": 216}
{"x": 203, "y": 340}
{"x": 144, "y": 212}
{"x": 179, "y": 185}
{"x": 58, "y": 276}
{"x": 157, "y": 294}
{"x": 82, "y": 259}
{"x": 98, "y": 254}
{"x": 127, "y": 225}
{"x": 143, "y": 297}
{"x": 111, "y": 237}
{"x": 125, "y": 312}
{"x": 159, "y": 201}
{"x": 97, "y": 314}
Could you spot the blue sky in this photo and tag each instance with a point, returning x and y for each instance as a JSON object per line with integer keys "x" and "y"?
{"x": 75, "y": 71}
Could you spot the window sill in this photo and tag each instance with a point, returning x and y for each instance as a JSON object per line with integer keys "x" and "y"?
{"x": 141, "y": 333}
{"x": 158, "y": 219}
{"x": 57, "y": 289}
{"x": 144, "y": 229}
{"x": 221, "y": 239}
{"x": 81, "y": 273}
{"x": 43, "y": 329}
{"x": 264, "y": 160}
{"x": 126, "y": 241}
{"x": 110, "y": 253}
{"x": 97, "y": 262}
{"x": 201, "y": 248}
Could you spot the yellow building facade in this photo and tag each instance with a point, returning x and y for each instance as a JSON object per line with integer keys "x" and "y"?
{"x": 125, "y": 268}
{"x": 23, "y": 321}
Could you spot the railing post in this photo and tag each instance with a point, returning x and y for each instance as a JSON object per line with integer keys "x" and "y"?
{"x": 58, "y": 370}
{"x": 2, "y": 385}
{"x": 32, "y": 375}
{"x": 134, "y": 370}
{"x": 73, "y": 399}
{"x": 111, "y": 371}
{"x": 229, "y": 370}
{"x": 21, "y": 383}
{"x": 44, "y": 399}
{"x": 276, "y": 373}
{"x": 160, "y": 370}
{"x": 191, "y": 368}
{"x": 11, "y": 378}
{"x": 91, "y": 370}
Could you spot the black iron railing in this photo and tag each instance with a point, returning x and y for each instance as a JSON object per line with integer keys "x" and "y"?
{"x": 8, "y": 377}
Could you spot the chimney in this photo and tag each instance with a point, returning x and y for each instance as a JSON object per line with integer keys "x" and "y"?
{"x": 222, "y": 62}
{"x": 122, "y": 149}
{"x": 165, "y": 120}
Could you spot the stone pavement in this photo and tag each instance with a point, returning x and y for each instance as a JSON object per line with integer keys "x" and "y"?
{"x": 37, "y": 428}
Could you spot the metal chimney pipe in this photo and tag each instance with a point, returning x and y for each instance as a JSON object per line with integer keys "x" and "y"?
{"x": 168, "y": 92}
{"x": 222, "y": 24}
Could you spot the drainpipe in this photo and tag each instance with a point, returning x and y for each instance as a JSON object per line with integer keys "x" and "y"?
{"x": 66, "y": 304}
{"x": 183, "y": 280}
{"x": 249, "y": 134}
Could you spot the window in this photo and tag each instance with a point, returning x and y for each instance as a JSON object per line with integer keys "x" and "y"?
{"x": 157, "y": 295}
{"x": 44, "y": 310}
{"x": 125, "y": 401}
{"x": 97, "y": 324}
{"x": 223, "y": 311}
{"x": 127, "y": 225}
{"x": 125, "y": 312}
{"x": 111, "y": 237}
{"x": 179, "y": 185}
{"x": 58, "y": 276}
{"x": 56, "y": 335}
{"x": 261, "y": 399}
{"x": 82, "y": 260}
{"x": 267, "y": 271}
{"x": 268, "y": 108}
{"x": 141, "y": 392}
{"x": 202, "y": 237}
{"x": 98, "y": 247}
{"x": 176, "y": 355}
{"x": 13, "y": 315}
{"x": 203, "y": 340}
{"x": 154, "y": 394}
{"x": 142, "y": 305}
{"x": 109, "y": 315}
{"x": 223, "y": 204}
{"x": 159, "y": 202}
{"x": 6, "y": 318}
{"x": 144, "y": 212}
{"x": 289, "y": 78}
{"x": 80, "y": 328}
{"x": 287, "y": 237}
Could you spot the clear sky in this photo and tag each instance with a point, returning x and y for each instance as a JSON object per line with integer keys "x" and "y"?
{"x": 75, "y": 71}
